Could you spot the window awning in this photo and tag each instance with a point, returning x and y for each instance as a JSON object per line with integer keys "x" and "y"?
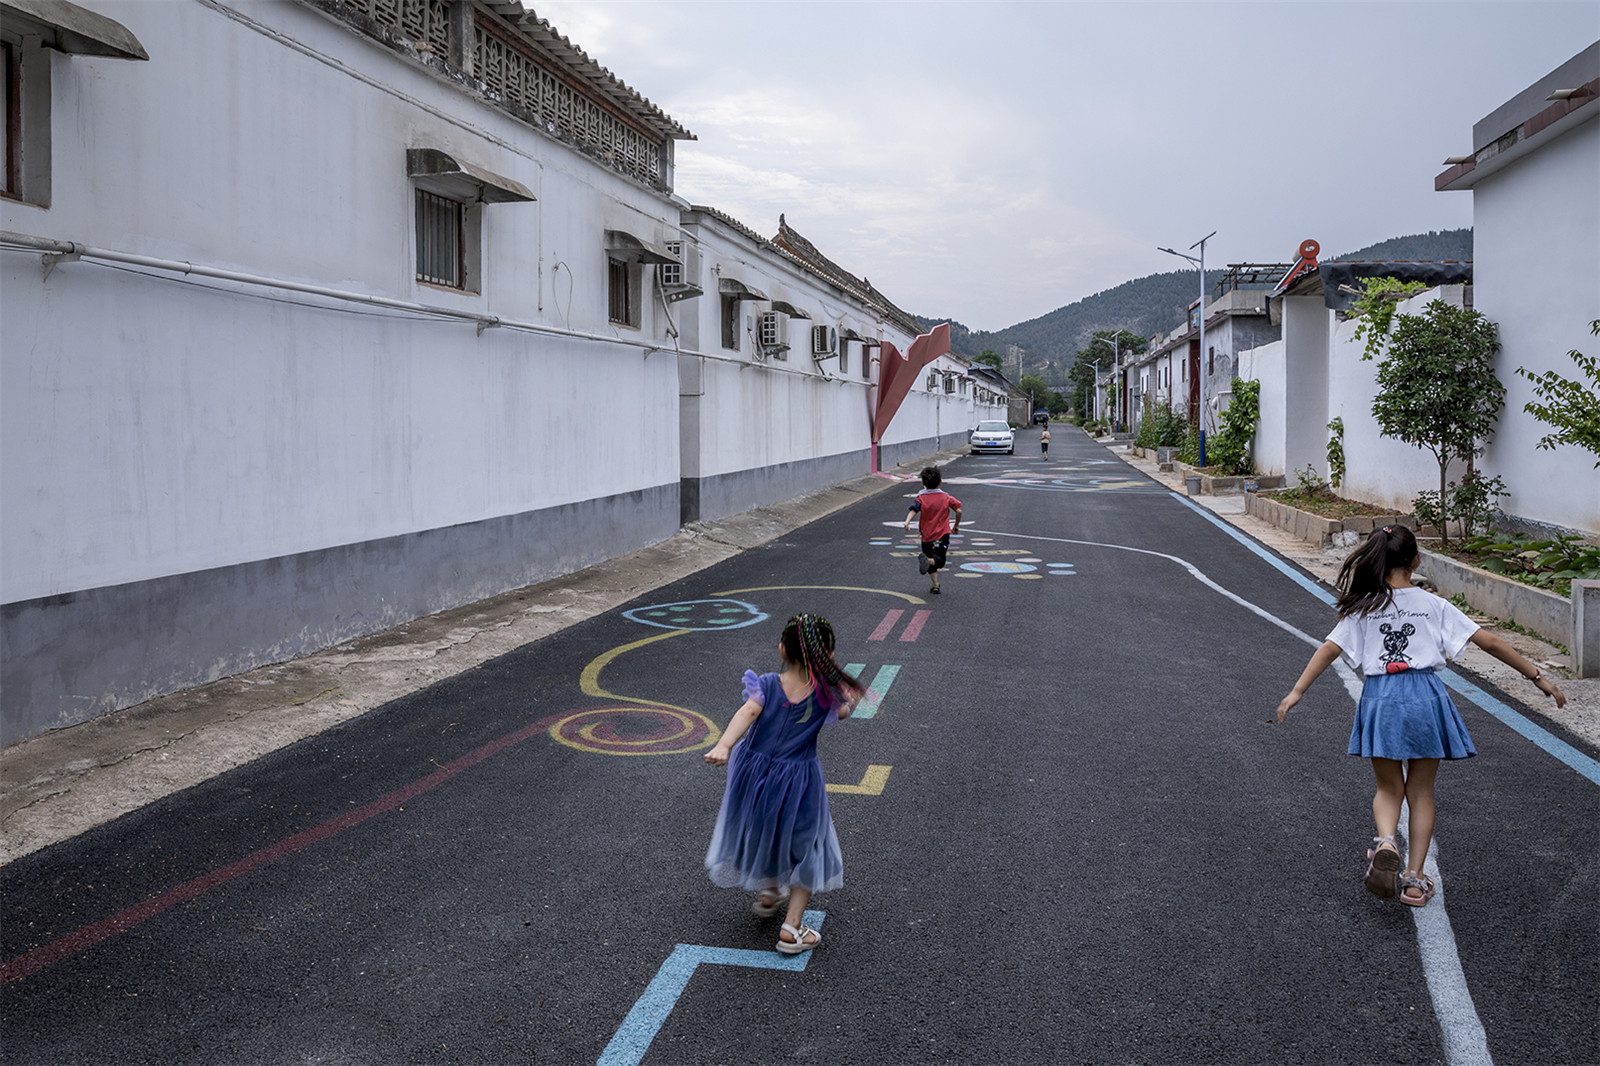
{"x": 72, "y": 29}
{"x": 448, "y": 176}
{"x": 729, "y": 287}
{"x": 623, "y": 245}
{"x": 789, "y": 309}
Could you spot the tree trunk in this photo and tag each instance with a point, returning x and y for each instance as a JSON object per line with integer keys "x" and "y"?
{"x": 1444, "y": 509}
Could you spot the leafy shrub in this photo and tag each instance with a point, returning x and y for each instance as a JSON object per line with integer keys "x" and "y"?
{"x": 1230, "y": 448}
{"x": 1549, "y": 564}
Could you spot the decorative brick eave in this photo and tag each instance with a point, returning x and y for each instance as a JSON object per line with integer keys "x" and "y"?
{"x": 1586, "y": 96}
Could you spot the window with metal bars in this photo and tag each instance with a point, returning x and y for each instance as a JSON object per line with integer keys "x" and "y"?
{"x": 441, "y": 240}
{"x": 622, "y": 292}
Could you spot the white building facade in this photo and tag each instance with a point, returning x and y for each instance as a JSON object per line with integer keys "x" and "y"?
{"x": 331, "y": 315}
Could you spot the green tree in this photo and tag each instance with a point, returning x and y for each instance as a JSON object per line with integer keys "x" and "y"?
{"x": 990, "y": 358}
{"x": 1043, "y": 395}
{"x": 1437, "y": 388}
{"x": 1572, "y": 408}
{"x": 1097, "y": 353}
{"x": 1230, "y": 448}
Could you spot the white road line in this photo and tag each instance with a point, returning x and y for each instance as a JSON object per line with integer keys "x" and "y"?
{"x": 1465, "y": 1043}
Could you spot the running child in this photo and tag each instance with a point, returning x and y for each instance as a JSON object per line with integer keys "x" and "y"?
{"x": 1397, "y": 635}
{"x": 774, "y": 835}
{"x": 934, "y": 509}
{"x": 1044, "y": 441}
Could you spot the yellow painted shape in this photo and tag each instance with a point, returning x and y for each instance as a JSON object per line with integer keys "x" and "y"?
{"x": 872, "y": 783}
{"x": 835, "y": 588}
{"x": 589, "y": 684}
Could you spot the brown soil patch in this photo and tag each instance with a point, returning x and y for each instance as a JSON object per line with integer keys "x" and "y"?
{"x": 1328, "y": 505}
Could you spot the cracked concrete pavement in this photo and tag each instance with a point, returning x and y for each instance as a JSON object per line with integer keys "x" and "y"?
{"x": 68, "y": 781}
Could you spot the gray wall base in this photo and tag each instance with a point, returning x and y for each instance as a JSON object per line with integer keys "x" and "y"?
{"x": 69, "y": 658}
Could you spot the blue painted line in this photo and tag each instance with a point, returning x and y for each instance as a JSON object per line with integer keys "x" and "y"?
{"x": 1554, "y": 745}
{"x": 1518, "y": 722}
{"x": 644, "y": 1021}
{"x": 868, "y": 707}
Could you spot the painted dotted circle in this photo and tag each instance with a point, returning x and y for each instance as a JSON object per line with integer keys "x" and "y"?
{"x": 998, "y": 568}
{"x": 634, "y": 730}
{"x": 698, "y": 614}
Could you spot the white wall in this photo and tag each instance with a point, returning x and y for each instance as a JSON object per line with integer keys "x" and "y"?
{"x": 1380, "y": 470}
{"x": 155, "y": 426}
{"x": 1536, "y": 252}
{"x": 200, "y": 476}
{"x": 1265, "y": 364}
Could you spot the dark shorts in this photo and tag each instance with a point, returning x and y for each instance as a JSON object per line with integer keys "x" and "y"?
{"x": 936, "y": 550}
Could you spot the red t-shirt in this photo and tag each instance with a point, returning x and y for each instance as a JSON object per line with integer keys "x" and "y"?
{"x": 932, "y": 507}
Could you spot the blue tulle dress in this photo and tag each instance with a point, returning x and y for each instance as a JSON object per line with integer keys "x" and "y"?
{"x": 774, "y": 829}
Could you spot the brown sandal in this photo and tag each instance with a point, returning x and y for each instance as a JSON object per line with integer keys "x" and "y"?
{"x": 1383, "y": 867}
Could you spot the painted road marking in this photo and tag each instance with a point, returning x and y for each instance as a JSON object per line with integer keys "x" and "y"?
{"x": 89, "y": 935}
{"x": 650, "y": 1011}
{"x": 913, "y": 628}
{"x": 1519, "y": 722}
{"x": 1441, "y": 969}
{"x": 872, "y": 783}
{"x": 832, "y": 588}
{"x": 868, "y": 707}
{"x": 711, "y": 614}
{"x": 887, "y": 625}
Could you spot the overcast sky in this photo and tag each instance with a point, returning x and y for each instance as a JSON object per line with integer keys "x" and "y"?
{"x": 991, "y": 162}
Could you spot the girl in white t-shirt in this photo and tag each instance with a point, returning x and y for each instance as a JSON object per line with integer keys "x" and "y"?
{"x": 1398, "y": 635}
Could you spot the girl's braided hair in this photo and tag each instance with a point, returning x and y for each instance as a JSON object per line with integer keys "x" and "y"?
{"x": 808, "y": 641}
{"x": 1363, "y": 580}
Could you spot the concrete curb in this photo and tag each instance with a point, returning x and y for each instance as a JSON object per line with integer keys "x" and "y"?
{"x": 59, "y": 784}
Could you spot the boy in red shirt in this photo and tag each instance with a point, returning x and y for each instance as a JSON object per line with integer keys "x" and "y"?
{"x": 934, "y": 509}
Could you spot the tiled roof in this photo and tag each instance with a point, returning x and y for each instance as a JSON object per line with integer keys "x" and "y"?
{"x": 546, "y": 38}
{"x": 803, "y": 254}
{"x": 791, "y": 241}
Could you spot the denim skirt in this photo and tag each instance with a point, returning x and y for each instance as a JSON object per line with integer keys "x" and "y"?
{"x": 1408, "y": 715}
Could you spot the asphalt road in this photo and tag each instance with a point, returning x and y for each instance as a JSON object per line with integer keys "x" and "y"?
{"x": 1070, "y": 835}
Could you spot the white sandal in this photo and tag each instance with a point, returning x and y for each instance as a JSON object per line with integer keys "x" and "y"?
{"x": 799, "y": 943}
{"x": 762, "y": 909}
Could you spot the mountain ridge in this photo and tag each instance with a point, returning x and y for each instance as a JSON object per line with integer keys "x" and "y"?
{"x": 1148, "y": 304}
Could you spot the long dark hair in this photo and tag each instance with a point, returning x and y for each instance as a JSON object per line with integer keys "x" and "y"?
{"x": 1364, "y": 578}
{"x": 808, "y": 642}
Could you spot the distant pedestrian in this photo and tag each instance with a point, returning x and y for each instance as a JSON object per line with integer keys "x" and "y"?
{"x": 935, "y": 510}
{"x": 1044, "y": 441}
{"x": 774, "y": 835}
{"x": 1398, "y": 635}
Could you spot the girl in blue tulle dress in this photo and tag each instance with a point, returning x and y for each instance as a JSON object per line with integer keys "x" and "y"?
{"x": 1398, "y": 635}
{"x": 774, "y": 835}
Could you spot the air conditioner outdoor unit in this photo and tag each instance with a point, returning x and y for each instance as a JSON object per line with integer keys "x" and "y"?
{"x": 685, "y": 275}
{"x": 824, "y": 340}
{"x": 772, "y": 331}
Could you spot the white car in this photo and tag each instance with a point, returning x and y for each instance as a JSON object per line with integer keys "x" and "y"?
{"x": 993, "y": 437}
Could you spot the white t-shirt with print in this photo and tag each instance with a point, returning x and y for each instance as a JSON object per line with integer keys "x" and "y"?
{"x": 1418, "y": 631}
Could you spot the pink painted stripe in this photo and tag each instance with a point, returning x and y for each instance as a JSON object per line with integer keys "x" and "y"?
{"x": 886, "y": 626}
{"x": 89, "y": 935}
{"x": 914, "y": 630}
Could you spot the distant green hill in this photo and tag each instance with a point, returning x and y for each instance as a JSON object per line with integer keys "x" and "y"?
{"x": 1150, "y": 304}
{"x": 1440, "y": 244}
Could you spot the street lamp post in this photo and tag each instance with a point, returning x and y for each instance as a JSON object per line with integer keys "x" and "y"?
{"x": 1201, "y": 263}
{"x": 1116, "y": 357}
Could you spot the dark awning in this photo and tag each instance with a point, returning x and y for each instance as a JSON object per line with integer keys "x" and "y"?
{"x": 624, "y": 245}
{"x": 72, "y": 29}
{"x": 729, "y": 287}
{"x": 448, "y": 176}
{"x": 789, "y": 309}
{"x": 1340, "y": 276}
